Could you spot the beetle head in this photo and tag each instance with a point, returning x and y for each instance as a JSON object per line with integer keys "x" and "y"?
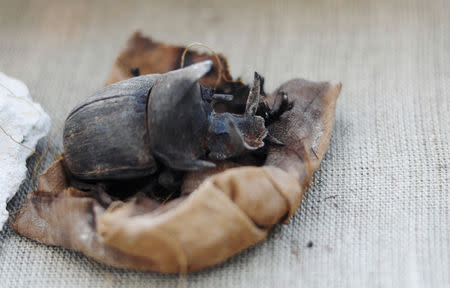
{"x": 231, "y": 135}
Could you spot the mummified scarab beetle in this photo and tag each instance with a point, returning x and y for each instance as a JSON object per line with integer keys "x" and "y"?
{"x": 125, "y": 129}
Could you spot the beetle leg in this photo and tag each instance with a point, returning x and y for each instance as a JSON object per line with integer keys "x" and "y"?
{"x": 170, "y": 179}
{"x": 183, "y": 162}
{"x": 261, "y": 86}
{"x": 281, "y": 105}
{"x": 254, "y": 96}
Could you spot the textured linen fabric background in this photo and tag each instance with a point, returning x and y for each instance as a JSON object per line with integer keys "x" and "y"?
{"x": 377, "y": 211}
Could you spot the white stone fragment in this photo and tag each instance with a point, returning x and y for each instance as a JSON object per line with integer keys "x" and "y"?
{"x": 26, "y": 122}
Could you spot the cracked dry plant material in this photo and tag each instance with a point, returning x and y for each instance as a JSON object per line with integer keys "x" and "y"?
{"x": 220, "y": 212}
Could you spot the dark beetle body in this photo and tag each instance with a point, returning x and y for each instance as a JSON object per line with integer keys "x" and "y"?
{"x": 127, "y": 129}
{"x": 106, "y": 136}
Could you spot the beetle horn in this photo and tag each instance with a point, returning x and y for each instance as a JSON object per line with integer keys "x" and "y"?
{"x": 231, "y": 135}
{"x": 184, "y": 78}
{"x": 195, "y": 71}
{"x": 174, "y": 86}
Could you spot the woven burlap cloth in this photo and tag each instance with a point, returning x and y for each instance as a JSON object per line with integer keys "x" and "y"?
{"x": 378, "y": 211}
